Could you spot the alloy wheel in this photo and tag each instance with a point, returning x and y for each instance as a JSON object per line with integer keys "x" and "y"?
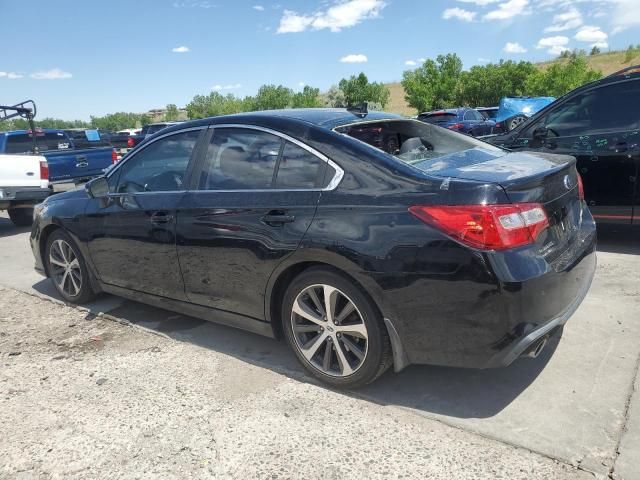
{"x": 329, "y": 330}
{"x": 515, "y": 122}
{"x": 65, "y": 268}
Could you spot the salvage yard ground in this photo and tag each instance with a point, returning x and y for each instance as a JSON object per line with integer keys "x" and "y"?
{"x": 122, "y": 390}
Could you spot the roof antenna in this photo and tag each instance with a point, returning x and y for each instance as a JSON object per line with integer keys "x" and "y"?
{"x": 360, "y": 110}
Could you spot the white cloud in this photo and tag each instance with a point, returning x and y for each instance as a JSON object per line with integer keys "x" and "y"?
{"x": 181, "y": 49}
{"x": 14, "y": 75}
{"x": 53, "y": 74}
{"x": 194, "y": 4}
{"x": 508, "y": 10}
{"x": 410, "y": 63}
{"x": 554, "y": 45}
{"x": 342, "y": 14}
{"x": 354, "y": 58}
{"x": 483, "y": 60}
{"x": 625, "y": 15}
{"x": 302, "y": 84}
{"x": 459, "y": 14}
{"x": 600, "y": 45}
{"x": 233, "y": 86}
{"x": 568, "y": 20}
{"x": 591, "y": 34}
{"x": 3, "y": 74}
{"x": 514, "y": 47}
{"x": 422, "y": 60}
{"x": 259, "y": 8}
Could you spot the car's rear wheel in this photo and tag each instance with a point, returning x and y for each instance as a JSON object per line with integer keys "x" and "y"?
{"x": 335, "y": 330}
{"x": 21, "y": 217}
{"x": 67, "y": 268}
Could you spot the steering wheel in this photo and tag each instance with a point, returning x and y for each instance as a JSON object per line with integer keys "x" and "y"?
{"x": 170, "y": 180}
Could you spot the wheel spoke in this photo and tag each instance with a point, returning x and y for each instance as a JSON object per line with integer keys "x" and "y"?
{"x": 359, "y": 329}
{"x": 56, "y": 262}
{"x": 330, "y": 297}
{"x": 75, "y": 285}
{"x": 345, "y": 368}
{"x": 298, "y": 328}
{"x": 63, "y": 281}
{"x": 352, "y": 347}
{"x": 312, "y": 346}
{"x": 348, "y": 309}
{"x": 300, "y": 308}
{"x": 313, "y": 295}
{"x": 326, "y": 360}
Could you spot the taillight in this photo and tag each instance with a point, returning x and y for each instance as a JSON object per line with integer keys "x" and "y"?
{"x": 455, "y": 126}
{"x": 487, "y": 227}
{"x": 130, "y": 142}
{"x": 44, "y": 170}
{"x": 580, "y": 188}
{"x": 114, "y": 156}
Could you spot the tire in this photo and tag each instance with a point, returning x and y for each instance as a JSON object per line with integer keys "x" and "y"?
{"x": 21, "y": 217}
{"x": 72, "y": 283}
{"x": 515, "y": 121}
{"x": 358, "y": 330}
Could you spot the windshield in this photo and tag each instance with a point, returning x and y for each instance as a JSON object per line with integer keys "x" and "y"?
{"x": 413, "y": 141}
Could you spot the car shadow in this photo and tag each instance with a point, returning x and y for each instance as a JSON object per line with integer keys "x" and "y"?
{"x": 7, "y": 228}
{"x": 454, "y": 392}
{"x": 619, "y": 239}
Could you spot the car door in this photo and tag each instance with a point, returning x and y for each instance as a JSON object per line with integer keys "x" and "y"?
{"x": 600, "y": 128}
{"x": 251, "y": 204}
{"x": 131, "y": 233}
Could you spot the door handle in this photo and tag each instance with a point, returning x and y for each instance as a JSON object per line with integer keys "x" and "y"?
{"x": 159, "y": 218}
{"x": 277, "y": 218}
{"x": 82, "y": 164}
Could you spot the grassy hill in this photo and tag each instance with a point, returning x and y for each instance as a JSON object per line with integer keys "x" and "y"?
{"x": 607, "y": 63}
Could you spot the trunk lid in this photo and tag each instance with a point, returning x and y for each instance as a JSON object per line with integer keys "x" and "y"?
{"x": 526, "y": 177}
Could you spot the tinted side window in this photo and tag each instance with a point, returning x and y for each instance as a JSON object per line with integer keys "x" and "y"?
{"x": 609, "y": 108}
{"x": 471, "y": 115}
{"x": 298, "y": 168}
{"x": 23, "y": 143}
{"x": 240, "y": 159}
{"x": 160, "y": 167}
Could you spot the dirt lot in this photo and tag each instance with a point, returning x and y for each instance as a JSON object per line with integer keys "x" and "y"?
{"x": 144, "y": 393}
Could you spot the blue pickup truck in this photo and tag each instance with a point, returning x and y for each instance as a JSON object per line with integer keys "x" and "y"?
{"x": 67, "y": 162}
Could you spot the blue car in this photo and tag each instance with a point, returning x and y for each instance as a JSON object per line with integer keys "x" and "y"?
{"x": 463, "y": 120}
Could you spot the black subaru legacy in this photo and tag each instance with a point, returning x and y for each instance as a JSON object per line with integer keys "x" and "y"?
{"x": 448, "y": 251}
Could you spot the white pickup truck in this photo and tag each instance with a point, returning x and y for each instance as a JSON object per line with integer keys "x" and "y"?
{"x": 24, "y": 182}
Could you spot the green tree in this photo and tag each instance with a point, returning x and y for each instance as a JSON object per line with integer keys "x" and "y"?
{"x": 595, "y": 51}
{"x": 309, "y": 97}
{"x": 485, "y": 85}
{"x": 272, "y": 97}
{"x": 561, "y": 77}
{"x": 334, "y": 98}
{"x": 433, "y": 85}
{"x": 143, "y": 120}
{"x": 115, "y": 121}
{"x": 630, "y": 53}
{"x": 171, "y": 113}
{"x": 358, "y": 89}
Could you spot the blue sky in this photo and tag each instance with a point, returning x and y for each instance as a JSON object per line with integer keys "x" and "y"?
{"x": 81, "y": 58}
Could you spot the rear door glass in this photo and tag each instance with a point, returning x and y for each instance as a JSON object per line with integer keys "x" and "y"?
{"x": 298, "y": 168}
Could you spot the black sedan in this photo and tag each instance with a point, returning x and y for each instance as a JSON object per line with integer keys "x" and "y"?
{"x": 448, "y": 252}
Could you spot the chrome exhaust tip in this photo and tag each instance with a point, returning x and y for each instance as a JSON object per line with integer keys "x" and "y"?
{"x": 537, "y": 348}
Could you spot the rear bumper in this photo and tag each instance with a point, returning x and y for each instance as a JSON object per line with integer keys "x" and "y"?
{"x": 23, "y": 194}
{"x": 491, "y": 308}
{"x": 519, "y": 346}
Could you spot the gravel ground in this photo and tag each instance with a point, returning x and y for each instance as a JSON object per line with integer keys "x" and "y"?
{"x": 87, "y": 397}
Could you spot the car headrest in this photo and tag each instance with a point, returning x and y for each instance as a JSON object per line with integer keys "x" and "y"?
{"x": 411, "y": 144}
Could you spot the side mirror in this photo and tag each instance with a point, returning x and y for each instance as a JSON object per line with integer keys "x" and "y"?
{"x": 97, "y": 188}
{"x": 540, "y": 133}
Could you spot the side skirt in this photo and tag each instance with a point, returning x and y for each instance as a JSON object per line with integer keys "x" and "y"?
{"x": 205, "y": 313}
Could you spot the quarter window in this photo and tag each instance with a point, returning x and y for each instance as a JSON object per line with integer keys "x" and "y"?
{"x": 160, "y": 167}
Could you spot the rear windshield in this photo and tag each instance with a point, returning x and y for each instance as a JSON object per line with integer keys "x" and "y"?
{"x": 416, "y": 143}
{"x": 23, "y": 143}
{"x": 438, "y": 117}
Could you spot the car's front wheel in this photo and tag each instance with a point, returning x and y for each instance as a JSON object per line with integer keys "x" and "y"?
{"x": 335, "y": 330}
{"x": 67, "y": 268}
